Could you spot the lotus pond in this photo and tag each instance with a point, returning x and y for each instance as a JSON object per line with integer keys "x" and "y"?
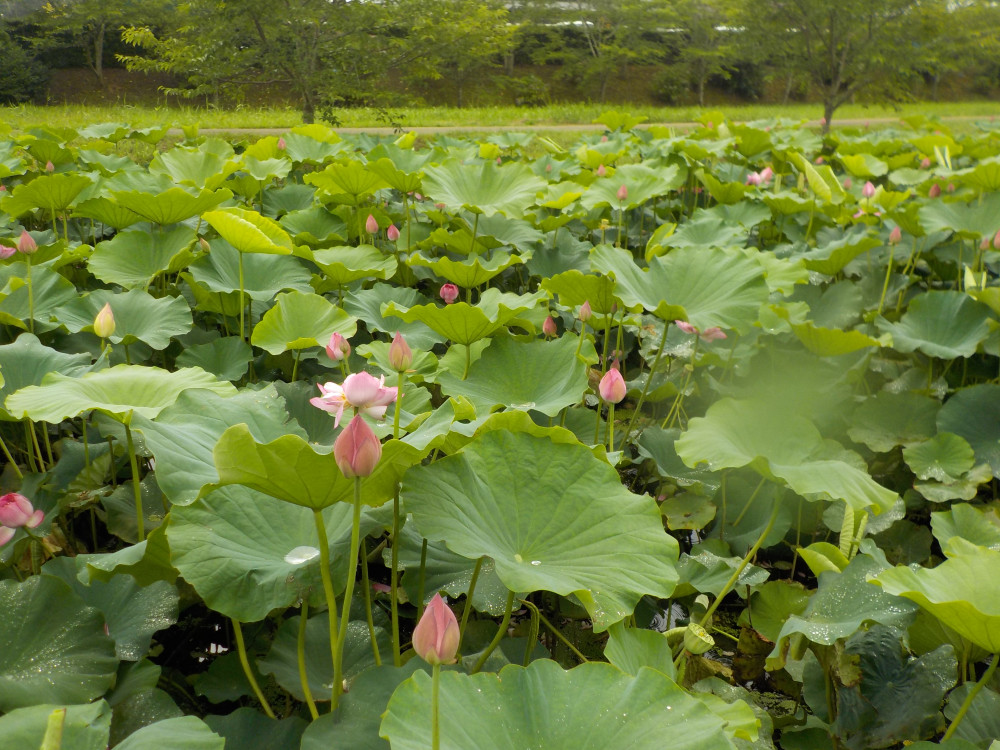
{"x": 697, "y": 435}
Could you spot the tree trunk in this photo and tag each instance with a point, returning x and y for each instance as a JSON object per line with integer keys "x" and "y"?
{"x": 701, "y": 91}
{"x": 99, "y": 56}
{"x": 828, "y": 108}
{"x": 934, "y": 86}
{"x": 508, "y": 62}
{"x": 308, "y": 110}
{"x": 604, "y": 85}
{"x": 789, "y": 81}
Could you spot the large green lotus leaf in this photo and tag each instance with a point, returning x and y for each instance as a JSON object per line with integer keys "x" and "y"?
{"x": 464, "y": 324}
{"x": 831, "y": 342}
{"x": 726, "y": 193}
{"x": 342, "y": 265}
{"x": 249, "y": 729}
{"x": 545, "y": 376}
{"x": 594, "y": 706}
{"x": 475, "y": 271}
{"x": 658, "y": 445}
{"x": 816, "y": 182}
{"x": 366, "y": 305}
{"x": 551, "y": 516}
{"x": 981, "y": 725}
{"x": 182, "y": 437}
{"x": 978, "y": 525}
{"x": 293, "y": 470}
{"x": 863, "y": 165}
{"x": 943, "y": 324}
{"x": 282, "y": 659}
{"x": 116, "y": 391}
{"x": 169, "y": 206}
{"x": 974, "y": 414}
{"x": 49, "y": 192}
{"x": 832, "y": 256}
{"x": 889, "y": 419}
{"x": 180, "y": 733}
{"x": 347, "y": 181}
{"x": 706, "y": 286}
{"x": 228, "y": 358}
{"x": 314, "y": 226}
{"x": 263, "y": 275}
{"x": 631, "y": 649}
{"x": 771, "y": 604}
{"x": 196, "y": 167}
{"x": 147, "y": 562}
{"x": 301, "y": 321}
{"x": 484, "y": 188}
{"x": 842, "y": 603}
{"x": 575, "y": 287}
{"x": 53, "y": 648}
{"x": 963, "y": 592}
{"x": 969, "y": 220}
{"x": 735, "y": 433}
{"x": 139, "y": 316}
{"x": 249, "y": 232}
{"x": 308, "y": 144}
{"x": 705, "y": 230}
{"x": 132, "y": 612}
{"x": 643, "y": 183}
{"x": 27, "y": 361}
{"x": 944, "y": 457}
{"x": 246, "y": 553}
{"x": 84, "y": 727}
{"x": 49, "y": 289}
{"x": 106, "y": 211}
{"x": 400, "y": 169}
{"x": 134, "y": 259}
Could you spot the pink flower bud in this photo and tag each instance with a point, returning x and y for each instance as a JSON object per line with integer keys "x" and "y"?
{"x": 356, "y": 450}
{"x": 868, "y": 190}
{"x": 6, "y": 251}
{"x": 604, "y": 139}
{"x": 819, "y": 160}
{"x": 585, "y": 311}
{"x": 392, "y": 234}
{"x": 766, "y": 174}
{"x": 925, "y": 163}
{"x": 3, "y": 188}
{"x": 371, "y": 225}
{"x": 713, "y": 334}
{"x": 896, "y": 235}
{"x": 935, "y": 191}
{"x": 338, "y": 348}
{"x": 622, "y": 194}
{"x": 612, "y": 386}
{"x": 710, "y": 125}
{"x": 996, "y": 240}
{"x": 449, "y": 293}
{"x": 601, "y": 171}
{"x": 848, "y": 183}
{"x": 753, "y": 179}
{"x": 400, "y": 355}
{"x": 50, "y": 167}
{"x": 281, "y": 144}
{"x": 984, "y": 243}
{"x": 203, "y": 244}
{"x": 26, "y": 243}
{"x": 17, "y": 510}
{"x": 685, "y": 326}
{"x": 548, "y": 168}
{"x": 104, "y": 323}
{"x": 951, "y": 187}
{"x": 435, "y": 639}
{"x": 549, "y": 326}
{"x": 6, "y": 535}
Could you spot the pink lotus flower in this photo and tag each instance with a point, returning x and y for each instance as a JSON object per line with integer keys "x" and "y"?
{"x": 371, "y": 225}
{"x": 685, "y": 326}
{"x": 935, "y": 191}
{"x": 449, "y": 293}
{"x": 753, "y": 178}
{"x": 713, "y": 334}
{"x": 436, "y": 637}
{"x": 356, "y": 450}
{"x": 847, "y": 183}
{"x": 868, "y": 191}
{"x": 819, "y": 160}
{"x": 400, "y": 354}
{"x": 925, "y": 163}
{"x": 16, "y": 510}
{"x": 6, "y": 535}
{"x": 766, "y": 174}
{"x": 951, "y": 187}
{"x": 996, "y": 240}
{"x": 6, "y": 251}
{"x": 392, "y": 234}
{"x": 549, "y": 326}
{"x": 586, "y": 312}
{"x": 361, "y": 391}
{"x": 338, "y": 348}
{"x": 612, "y": 387}
{"x": 26, "y": 243}
{"x": 50, "y": 167}
{"x": 895, "y": 236}
{"x": 281, "y": 144}
{"x": 601, "y": 171}
{"x": 622, "y": 194}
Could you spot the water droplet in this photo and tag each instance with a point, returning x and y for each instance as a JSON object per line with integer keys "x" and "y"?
{"x": 536, "y": 562}
{"x": 301, "y": 555}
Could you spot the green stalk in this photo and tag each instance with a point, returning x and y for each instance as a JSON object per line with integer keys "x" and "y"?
{"x": 10, "y": 459}
{"x": 435, "y": 724}
{"x": 468, "y": 360}
{"x": 242, "y": 304}
{"x": 352, "y": 574}
{"x": 394, "y": 579}
{"x": 368, "y": 605}
{"x": 604, "y": 370}
{"x": 532, "y": 636}
{"x": 675, "y": 407}
{"x": 888, "y": 275}
{"x": 967, "y": 703}
{"x": 468, "y": 600}
{"x": 241, "y": 647}
{"x": 645, "y": 388}
{"x": 501, "y": 632}
{"x": 29, "y": 447}
{"x": 300, "y": 653}
{"x": 611, "y": 428}
{"x": 295, "y": 365}
{"x": 31, "y": 296}
{"x": 422, "y": 579}
{"x": 331, "y": 603}
{"x": 136, "y": 487}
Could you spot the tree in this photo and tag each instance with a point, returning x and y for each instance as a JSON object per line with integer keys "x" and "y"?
{"x": 972, "y": 38}
{"x": 708, "y": 47}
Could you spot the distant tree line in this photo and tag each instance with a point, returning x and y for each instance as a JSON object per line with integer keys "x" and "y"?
{"x": 336, "y": 53}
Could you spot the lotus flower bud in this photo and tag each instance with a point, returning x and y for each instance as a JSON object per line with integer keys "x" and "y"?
{"x": 371, "y": 225}
{"x": 16, "y": 510}
{"x": 436, "y": 637}
{"x": 713, "y": 334}
{"x": 50, "y": 167}
{"x": 925, "y": 163}
{"x": 685, "y": 326}
{"x": 104, "y": 323}
{"x": 586, "y": 313}
{"x": 601, "y": 171}
{"x": 449, "y": 293}
{"x": 868, "y": 190}
{"x": 400, "y": 355}
{"x": 848, "y": 182}
{"x": 622, "y": 194}
{"x": 896, "y": 235}
{"x": 338, "y": 348}
{"x": 753, "y": 178}
{"x": 935, "y": 191}
{"x": 356, "y": 450}
{"x": 392, "y": 234}
{"x": 549, "y": 326}
{"x": 996, "y": 240}
{"x": 766, "y": 174}
{"x": 203, "y": 244}
{"x": 6, "y": 251}
{"x": 6, "y": 535}
{"x": 951, "y": 187}
{"x": 819, "y": 160}
{"x": 548, "y": 168}
{"x": 26, "y": 243}
{"x": 281, "y": 144}
{"x": 612, "y": 387}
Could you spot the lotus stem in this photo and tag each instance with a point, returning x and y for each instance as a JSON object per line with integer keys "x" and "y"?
{"x": 10, "y": 459}
{"x": 468, "y": 600}
{"x": 532, "y": 636}
{"x": 300, "y": 653}
{"x": 501, "y": 632}
{"x": 331, "y": 602}
{"x": 136, "y": 486}
{"x": 423, "y": 575}
{"x": 645, "y": 388}
{"x": 611, "y": 428}
{"x": 967, "y": 703}
{"x": 368, "y": 605}
{"x": 242, "y": 649}
{"x": 888, "y": 275}
{"x": 435, "y": 724}
{"x": 242, "y": 304}
{"x": 394, "y": 579}
{"x": 352, "y": 574}
{"x": 31, "y": 296}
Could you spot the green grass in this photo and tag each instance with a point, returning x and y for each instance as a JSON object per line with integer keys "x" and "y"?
{"x": 25, "y": 117}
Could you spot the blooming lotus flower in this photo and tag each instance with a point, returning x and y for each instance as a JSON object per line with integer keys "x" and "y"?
{"x": 361, "y": 391}
{"x": 612, "y": 387}
{"x": 338, "y": 348}
{"x": 868, "y": 191}
{"x": 392, "y": 234}
{"x": 104, "y": 323}
{"x": 16, "y": 510}
{"x": 356, "y": 450}
{"x": 895, "y": 236}
{"x": 622, "y": 194}
{"x": 436, "y": 637}
{"x": 586, "y": 312}
{"x": 371, "y": 225}
{"x": 26, "y": 243}
{"x": 549, "y": 326}
{"x": 400, "y": 354}
{"x": 449, "y": 293}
